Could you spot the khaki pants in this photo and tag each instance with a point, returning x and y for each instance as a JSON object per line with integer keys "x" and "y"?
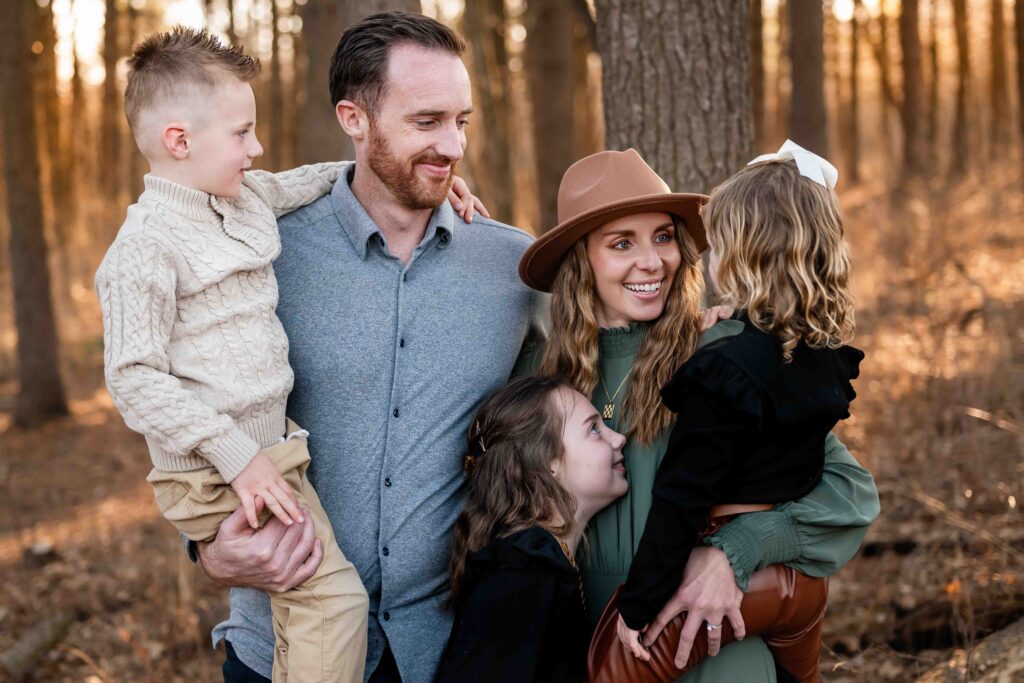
{"x": 320, "y": 624}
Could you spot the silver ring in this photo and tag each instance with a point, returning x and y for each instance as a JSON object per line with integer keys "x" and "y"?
{"x": 714, "y": 627}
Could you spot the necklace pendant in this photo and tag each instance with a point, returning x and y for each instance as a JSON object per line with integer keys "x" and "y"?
{"x": 609, "y": 411}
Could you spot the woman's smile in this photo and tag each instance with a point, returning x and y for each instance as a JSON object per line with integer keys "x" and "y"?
{"x": 645, "y": 291}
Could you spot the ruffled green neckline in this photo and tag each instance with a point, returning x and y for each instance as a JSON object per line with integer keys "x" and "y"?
{"x": 622, "y": 342}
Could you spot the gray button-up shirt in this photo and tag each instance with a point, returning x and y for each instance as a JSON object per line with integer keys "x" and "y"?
{"x": 390, "y": 363}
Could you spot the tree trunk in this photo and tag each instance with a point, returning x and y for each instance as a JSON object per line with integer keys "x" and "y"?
{"x": 549, "y": 74}
{"x": 48, "y": 114}
{"x": 275, "y": 111}
{"x": 961, "y": 145}
{"x": 138, "y": 167}
{"x": 807, "y": 118}
{"x": 588, "y": 123}
{"x": 782, "y": 73}
{"x": 853, "y": 109}
{"x": 757, "y": 70}
{"x": 676, "y": 84}
{"x": 110, "y": 166}
{"x": 932, "y": 130}
{"x": 910, "y": 46}
{"x": 323, "y": 22}
{"x": 1000, "y": 96}
{"x": 880, "y": 49}
{"x": 490, "y": 156}
{"x": 50, "y": 98}
{"x": 41, "y": 392}
{"x": 832, "y": 78}
{"x": 78, "y": 108}
{"x": 1018, "y": 25}
{"x": 232, "y": 34}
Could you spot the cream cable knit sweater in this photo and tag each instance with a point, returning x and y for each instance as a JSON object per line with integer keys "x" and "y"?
{"x": 195, "y": 357}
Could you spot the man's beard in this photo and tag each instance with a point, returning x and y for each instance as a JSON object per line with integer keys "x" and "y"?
{"x": 413, "y": 192}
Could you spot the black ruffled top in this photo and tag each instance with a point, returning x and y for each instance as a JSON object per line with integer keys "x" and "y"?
{"x": 750, "y": 429}
{"x": 521, "y": 617}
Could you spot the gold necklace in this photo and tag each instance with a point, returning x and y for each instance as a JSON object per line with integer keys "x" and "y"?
{"x": 572, "y": 561}
{"x": 609, "y": 408}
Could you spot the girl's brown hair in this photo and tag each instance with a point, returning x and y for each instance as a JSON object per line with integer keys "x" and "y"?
{"x": 782, "y": 257}
{"x": 572, "y": 346}
{"x": 512, "y": 441}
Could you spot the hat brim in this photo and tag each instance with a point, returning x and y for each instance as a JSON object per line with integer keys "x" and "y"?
{"x": 541, "y": 261}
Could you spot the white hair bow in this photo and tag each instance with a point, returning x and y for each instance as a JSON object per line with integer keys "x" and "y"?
{"x": 808, "y": 163}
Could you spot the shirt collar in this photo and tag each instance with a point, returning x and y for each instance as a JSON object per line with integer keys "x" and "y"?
{"x": 360, "y": 228}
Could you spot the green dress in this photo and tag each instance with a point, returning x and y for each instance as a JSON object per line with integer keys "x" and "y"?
{"x": 816, "y": 534}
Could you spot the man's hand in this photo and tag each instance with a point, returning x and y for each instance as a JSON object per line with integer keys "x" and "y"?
{"x": 709, "y": 592}
{"x": 261, "y": 480}
{"x": 275, "y": 558}
{"x": 465, "y": 202}
{"x": 709, "y": 317}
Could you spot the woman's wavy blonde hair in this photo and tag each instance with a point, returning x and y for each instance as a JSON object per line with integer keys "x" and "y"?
{"x": 571, "y": 351}
{"x": 781, "y": 255}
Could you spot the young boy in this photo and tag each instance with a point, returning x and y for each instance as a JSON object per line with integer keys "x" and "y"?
{"x": 195, "y": 357}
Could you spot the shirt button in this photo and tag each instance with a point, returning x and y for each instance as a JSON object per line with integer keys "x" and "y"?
{"x": 395, "y": 412}
{"x": 387, "y": 616}
{"x": 385, "y": 552}
{"x": 401, "y": 343}
{"x": 387, "y": 481}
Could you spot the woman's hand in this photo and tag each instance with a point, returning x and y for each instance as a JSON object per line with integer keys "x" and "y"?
{"x": 712, "y": 315}
{"x": 709, "y": 593}
{"x": 631, "y": 639}
{"x": 465, "y": 202}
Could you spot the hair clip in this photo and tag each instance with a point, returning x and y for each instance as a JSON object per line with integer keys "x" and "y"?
{"x": 469, "y": 463}
{"x": 483, "y": 448}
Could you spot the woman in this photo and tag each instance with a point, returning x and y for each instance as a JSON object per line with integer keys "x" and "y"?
{"x": 623, "y": 270}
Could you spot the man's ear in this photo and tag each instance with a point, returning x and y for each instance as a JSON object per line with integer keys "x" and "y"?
{"x": 353, "y": 119}
{"x": 176, "y": 141}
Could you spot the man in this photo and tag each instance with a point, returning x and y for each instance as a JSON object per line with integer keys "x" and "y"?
{"x": 400, "y": 318}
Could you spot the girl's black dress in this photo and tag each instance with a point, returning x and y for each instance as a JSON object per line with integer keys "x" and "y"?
{"x": 521, "y": 617}
{"x": 751, "y": 428}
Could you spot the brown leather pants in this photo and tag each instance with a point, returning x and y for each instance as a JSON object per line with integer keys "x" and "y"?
{"x": 781, "y": 605}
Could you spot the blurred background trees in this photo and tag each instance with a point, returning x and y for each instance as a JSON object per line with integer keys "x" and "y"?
{"x": 890, "y": 89}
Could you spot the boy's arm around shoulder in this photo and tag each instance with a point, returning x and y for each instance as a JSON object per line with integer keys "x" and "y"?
{"x": 136, "y": 285}
{"x": 287, "y": 191}
{"x": 816, "y": 534}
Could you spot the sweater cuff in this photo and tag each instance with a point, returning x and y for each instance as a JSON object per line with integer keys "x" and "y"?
{"x": 230, "y": 452}
{"x": 756, "y": 540}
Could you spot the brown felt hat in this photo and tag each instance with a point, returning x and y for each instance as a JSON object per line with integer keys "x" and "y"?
{"x": 598, "y": 189}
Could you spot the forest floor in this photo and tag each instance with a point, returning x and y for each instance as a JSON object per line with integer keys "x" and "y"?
{"x": 939, "y": 420}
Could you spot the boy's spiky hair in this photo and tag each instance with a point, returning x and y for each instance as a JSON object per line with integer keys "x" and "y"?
{"x": 164, "y": 65}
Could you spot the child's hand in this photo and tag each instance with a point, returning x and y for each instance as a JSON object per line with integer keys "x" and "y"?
{"x": 712, "y": 315}
{"x": 261, "y": 478}
{"x": 631, "y": 639}
{"x": 464, "y": 202}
